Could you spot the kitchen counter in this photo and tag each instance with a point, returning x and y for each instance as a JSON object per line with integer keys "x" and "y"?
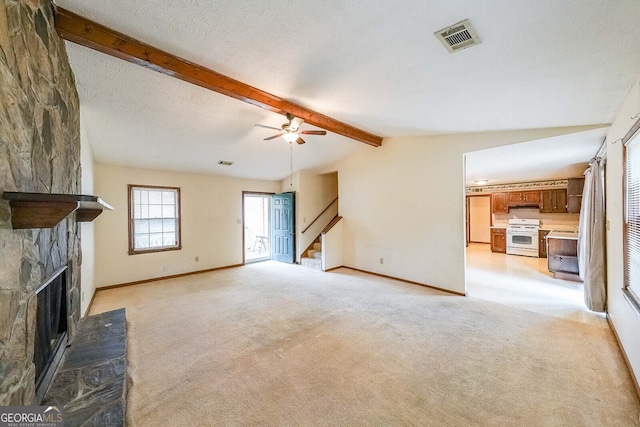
{"x": 563, "y": 234}
{"x": 498, "y": 226}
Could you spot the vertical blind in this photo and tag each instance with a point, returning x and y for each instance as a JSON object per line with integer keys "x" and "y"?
{"x": 632, "y": 216}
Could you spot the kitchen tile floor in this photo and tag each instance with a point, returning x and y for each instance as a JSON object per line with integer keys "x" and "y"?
{"x": 526, "y": 283}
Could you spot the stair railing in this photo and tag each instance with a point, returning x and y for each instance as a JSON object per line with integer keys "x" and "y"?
{"x": 318, "y": 217}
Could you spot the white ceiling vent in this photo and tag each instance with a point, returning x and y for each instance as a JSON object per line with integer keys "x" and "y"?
{"x": 458, "y": 36}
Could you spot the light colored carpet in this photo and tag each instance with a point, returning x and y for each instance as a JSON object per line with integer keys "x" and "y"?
{"x": 273, "y": 344}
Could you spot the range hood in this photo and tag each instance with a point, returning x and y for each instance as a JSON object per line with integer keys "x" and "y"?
{"x": 45, "y": 210}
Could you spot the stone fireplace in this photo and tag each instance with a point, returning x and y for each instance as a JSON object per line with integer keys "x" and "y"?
{"x": 51, "y": 335}
{"x": 39, "y": 152}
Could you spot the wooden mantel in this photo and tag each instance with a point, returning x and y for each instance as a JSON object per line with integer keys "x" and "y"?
{"x": 44, "y": 210}
{"x": 85, "y": 32}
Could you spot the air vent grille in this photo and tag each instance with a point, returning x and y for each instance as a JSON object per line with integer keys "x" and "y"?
{"x": 458, "y": 36}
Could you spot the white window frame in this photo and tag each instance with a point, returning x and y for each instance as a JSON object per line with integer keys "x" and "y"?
{"x": 631, "y": 195}
{"x": 143, "y": 210}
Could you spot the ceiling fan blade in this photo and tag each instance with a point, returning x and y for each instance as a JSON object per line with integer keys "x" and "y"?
{"x": 314, "y": 132}
{"x": 273, "y": 137}
{"x": 295, "y": 123}
{"x": 300, "y": 141}
{"x": 267, "y": 127}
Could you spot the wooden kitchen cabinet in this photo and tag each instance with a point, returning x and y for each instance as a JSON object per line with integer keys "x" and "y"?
{"x": 553, "y": 201}
{"x": 520, "y": 198}
{"x": 499, "y": 240}
{"x": 574, "y": 194}
{"x": 500, "y": 202}
{"x": 562, "y": 258}
{"x": 542, "y": 243}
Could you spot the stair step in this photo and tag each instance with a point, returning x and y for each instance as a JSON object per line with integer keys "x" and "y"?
{"x": 317, "y": 246}
{"x": 317, "y": 255}
{"x": 311, "y": 253}
{"x": 311, "y": 263}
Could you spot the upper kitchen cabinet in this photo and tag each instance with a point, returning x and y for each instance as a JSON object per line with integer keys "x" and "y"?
{"x": 524, "y": 198}
{"x": 574, "y": 194}
{"x": 500, "y": 203}
{"x": 553, "y": 201}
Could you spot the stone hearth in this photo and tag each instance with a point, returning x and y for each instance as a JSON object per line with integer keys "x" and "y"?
{"x": 91, "y": 382}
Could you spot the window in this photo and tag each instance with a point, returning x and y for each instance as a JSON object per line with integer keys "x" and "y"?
{"x": 632, "y": 220}
{"x": 154, "y": 219}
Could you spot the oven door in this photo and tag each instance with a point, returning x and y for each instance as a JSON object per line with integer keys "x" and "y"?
{"x": 520, "y": 242}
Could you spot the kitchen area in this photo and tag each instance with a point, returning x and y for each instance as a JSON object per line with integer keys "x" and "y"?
{"x": 522, "y": 247}
{"x": 541, "y": 222}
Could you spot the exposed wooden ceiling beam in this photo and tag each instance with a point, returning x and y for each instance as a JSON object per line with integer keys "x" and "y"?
{"x": 87, "y": 33}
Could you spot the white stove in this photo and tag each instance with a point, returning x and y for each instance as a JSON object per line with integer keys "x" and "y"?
{"x": 522, "y": 237}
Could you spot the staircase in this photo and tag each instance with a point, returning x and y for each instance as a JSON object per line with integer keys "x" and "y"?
{"x": 313, "y": 257}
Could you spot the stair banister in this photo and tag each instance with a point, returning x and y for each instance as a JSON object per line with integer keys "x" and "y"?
{"x": 318, "y": 217}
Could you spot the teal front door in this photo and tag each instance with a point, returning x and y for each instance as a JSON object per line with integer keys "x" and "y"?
{"x": 282, "y": 227}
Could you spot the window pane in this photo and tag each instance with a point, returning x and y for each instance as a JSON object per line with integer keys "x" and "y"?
{"x": 141, "y": 226}
{"x": 142, "y": 241}
{"x": 168, "y": 211}
{"x": 168, "y": 197}
{"x": 168, "y": 225}
{"x": 155, "y": 211}
{"x": 155, "y": 197}
{"x": 136, "y": 211}
{"x": 155, "y": 226}
{"x": 144, "y": 211}
{"x": 168, "y": 239}
{"x": 136, "y": 197}
{"x": 155, "y": 240}
{"x": 144, "y": 197}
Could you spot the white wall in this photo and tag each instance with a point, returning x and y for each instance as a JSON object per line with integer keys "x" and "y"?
{"x": 314, "y": 192}
{"x": 87, "y": 237}
{"x": 625, "y": 320}
{"x": 404, "y": 202}
{"x": 332, "y": 247}
{"x": 211, "y": 209}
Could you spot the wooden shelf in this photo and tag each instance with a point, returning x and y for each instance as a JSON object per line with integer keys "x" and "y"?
{"x": 43, "y": 210}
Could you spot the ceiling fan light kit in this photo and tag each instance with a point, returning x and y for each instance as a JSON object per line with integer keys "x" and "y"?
{"x": 290, "y": 131}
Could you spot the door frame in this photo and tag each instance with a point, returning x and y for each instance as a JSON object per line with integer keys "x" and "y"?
{"x": 468, "y": 214}
{"x": 255, "y": 193}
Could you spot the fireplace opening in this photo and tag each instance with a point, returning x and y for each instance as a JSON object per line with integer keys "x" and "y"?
{"x": 51, "y": 329}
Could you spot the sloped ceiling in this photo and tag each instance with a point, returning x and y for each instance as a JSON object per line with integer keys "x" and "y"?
{"x": 373, "y": 64}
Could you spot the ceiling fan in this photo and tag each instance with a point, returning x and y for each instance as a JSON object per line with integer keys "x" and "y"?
{"x": 290, "y": 131}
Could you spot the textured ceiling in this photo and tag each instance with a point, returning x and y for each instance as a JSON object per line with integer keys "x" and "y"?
{"x": 559, "y": 157}
{"x": 375, "y": 65}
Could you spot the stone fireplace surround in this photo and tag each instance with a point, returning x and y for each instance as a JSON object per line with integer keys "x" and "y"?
{"x": 39, "y": 152}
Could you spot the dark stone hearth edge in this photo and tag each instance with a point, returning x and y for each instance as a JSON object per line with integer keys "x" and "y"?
{"x": 91, "y": 381}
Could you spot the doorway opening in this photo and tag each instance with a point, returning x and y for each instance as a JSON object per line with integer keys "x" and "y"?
{"x": 496, "y": 268}
{"x": 256, "y": 209}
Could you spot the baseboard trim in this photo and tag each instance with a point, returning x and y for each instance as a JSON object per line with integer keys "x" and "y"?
{"x": 173, "y": 276}
{"x": 407, "y": 281}
{"x": 624, "y": 355}
{"x": 335, "y": 268}
{"x": 93, "y": 297}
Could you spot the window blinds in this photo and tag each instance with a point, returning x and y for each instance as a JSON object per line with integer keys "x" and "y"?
{"x": 632, "y": 216}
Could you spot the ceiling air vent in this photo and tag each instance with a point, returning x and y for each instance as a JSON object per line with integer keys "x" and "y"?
{"x": 458, "y": 36}
{"x": 225, "y": 163}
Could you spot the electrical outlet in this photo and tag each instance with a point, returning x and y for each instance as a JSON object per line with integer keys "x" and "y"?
{"x": 381, "y": 260}
{"x": 197, "y": 259}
